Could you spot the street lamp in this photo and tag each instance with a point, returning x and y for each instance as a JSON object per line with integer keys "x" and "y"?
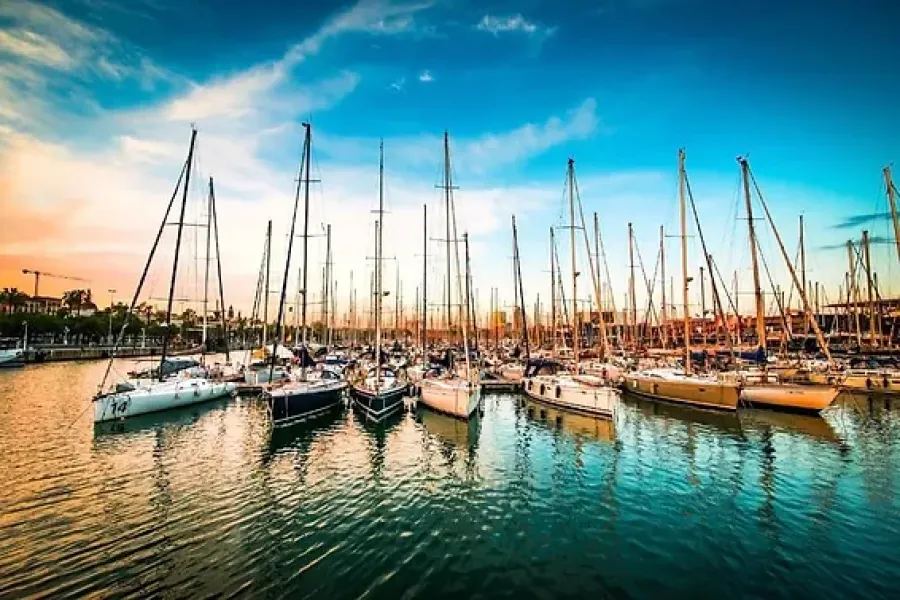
{"x": 110, "y": 337}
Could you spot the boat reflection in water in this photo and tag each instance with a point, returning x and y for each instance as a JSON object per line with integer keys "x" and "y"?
{"x": 811, "y": 426}
{"x": 456, "y": 432}
{"x": 575, "y": 424}
{"x": 723, "y": 422}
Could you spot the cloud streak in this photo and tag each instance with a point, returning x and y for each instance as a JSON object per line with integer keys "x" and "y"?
{"x": 855, "y": 221}
{"x": 512, "y": 24}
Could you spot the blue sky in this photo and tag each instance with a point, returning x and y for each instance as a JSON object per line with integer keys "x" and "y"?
{"x": 104, "y": 92}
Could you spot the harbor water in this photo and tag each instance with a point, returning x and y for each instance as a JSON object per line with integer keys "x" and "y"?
{"x": 524, "y": 502}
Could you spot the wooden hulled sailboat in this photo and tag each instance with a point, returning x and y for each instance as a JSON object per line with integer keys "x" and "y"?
{"x": 453, "y": 392}
{"x": 379, "y": 393}
{"x": 165, "y": 391}
{"x": 681, "y": 385}
{"x": 763, "y": 389}
{"x": 307, "y": 394}
{"x": 548, "y": 381}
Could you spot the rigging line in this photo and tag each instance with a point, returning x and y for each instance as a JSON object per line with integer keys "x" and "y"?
{"x": 559, "y": 284}
{"x": 595, "y": 279}
{"x": 778, "y": 303}
{"x": 717, "y": 302}
{"x": 143, "y": 278}
{"x": 651, "y": 287}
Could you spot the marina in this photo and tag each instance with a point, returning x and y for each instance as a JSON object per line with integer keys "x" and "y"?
{"x": 565, "y": 501}
{"x": 442, "y": 299}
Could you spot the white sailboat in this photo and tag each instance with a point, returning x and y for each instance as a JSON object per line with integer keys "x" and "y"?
{"x": 453, "y": 392}
{"x": 547, "y": 381}
{"x": 138, "y": 397}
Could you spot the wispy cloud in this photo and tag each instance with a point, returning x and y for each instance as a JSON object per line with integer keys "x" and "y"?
{"x": 479, "y": 155}
{"x": 855, "y": 221}
{"x": 426, "y": 76}
{"x": 514, "y": 23}
{"x": 873, "y": 239}
{"x": 398, "y": 84}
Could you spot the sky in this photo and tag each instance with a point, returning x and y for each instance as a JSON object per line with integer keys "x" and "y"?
{"x": 97, "y": 100}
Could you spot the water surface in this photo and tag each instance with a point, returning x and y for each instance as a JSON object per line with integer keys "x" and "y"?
{"x": 525, "y": 502}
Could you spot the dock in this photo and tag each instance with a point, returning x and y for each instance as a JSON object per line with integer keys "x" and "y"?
{"x": 500, "y": 385}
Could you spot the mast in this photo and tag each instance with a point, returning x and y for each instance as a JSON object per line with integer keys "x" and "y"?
{"x": 631, "y": 291}
{"x": 757, "y": 292}
{"x": 378, "y": 266}
{"x": 684, "y": 263}
{"x": 447, "y": 185}
{"x": 520, "y": 291}
{"x": 574, "y": 264}
{"x": 552, "y": 289}
{"x": 327, "y": 298}
{"x": 206, "y": 266}
{"x": 892, "y": 200}
{"x": 424, "y": 283}
{"x": 853, "y": 291}
{"x": 307, "y": 142}
{"x": 459, "y": 286}
{"x": 703, "y": 303}
{"x": 869, "y": 295}
{"x": 265, "y": 294}
{"x": 820, "y": 338}
{"x": 598, "y": 284}
{"x": 662, "y": 262}
{"x": 187, "y": 181}
{"x": 215, "y": 222}
{"x": 803, "y": 260}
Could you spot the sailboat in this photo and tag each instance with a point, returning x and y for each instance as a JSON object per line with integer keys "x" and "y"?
{"x": 546, "y": 381}
{"x": 682, "y": 385}
{"x": 307, "y": 394}
{"x": 451, "y": 392}
{"x": 142, "y": 396}
{"x": 765, "y": 390}
{"x": 15, "y": 357}
{"x": 380, "y": 392}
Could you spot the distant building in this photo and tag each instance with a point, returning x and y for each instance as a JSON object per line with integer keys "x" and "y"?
{"x": 34, "y": 305}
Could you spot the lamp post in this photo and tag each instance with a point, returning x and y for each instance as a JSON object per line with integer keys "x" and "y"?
{"x": 109, "y": 336}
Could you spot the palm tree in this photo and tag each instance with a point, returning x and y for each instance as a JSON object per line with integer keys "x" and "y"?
{"x": 76, "y": 299}
{"x": 13, "y": 297}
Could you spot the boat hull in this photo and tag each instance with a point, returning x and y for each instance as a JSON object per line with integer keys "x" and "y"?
{"x": 452, "y": 398}
{"x": 794, "y": 398}
{"x": 378, "y": 406}
{"x": 596, "y": 400}
{"x": 713, "y": 394}
{"x": 158, "y": 397}
{"x": 290, "y": 404}
{"x": 10, "y": 359}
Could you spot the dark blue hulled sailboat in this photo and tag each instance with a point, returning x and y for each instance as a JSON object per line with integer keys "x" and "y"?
{"x": 380, "y": 393}
{"x": 304, "y": 394}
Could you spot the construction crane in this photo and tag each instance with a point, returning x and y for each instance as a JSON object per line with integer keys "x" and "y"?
{"x": 38, "y": 274}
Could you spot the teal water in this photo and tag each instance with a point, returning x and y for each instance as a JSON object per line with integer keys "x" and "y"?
{"x": 663, "y": 503}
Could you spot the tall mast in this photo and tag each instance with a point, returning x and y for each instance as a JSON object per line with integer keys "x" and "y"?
{"x": 757, "y": 292}
{"x": 869, "y": 296}
{"x": 803, "y": 258}
{"x": 265, "y": 294}
{"x": 662, "y": 263}
{"x": 574, "y": 264}
{"x": 892, "y": 200}
{"x": 206, "y": 266}
{"x": 187, "y": 181}
{"x": 459, "y": 284}
{"x": 447, "y": 185}
{"x": 215, "y": 223}
{"x": 552, "y": 289}
{"x": 520, "y": 291}
{"x": 470, "y": 300}
{"x": 307, "y": 142}
{"x": 703, "y": 303}
{"x": 853, "y": 291}
{"x": 378, "y": 265}
{"x": 820, "y": 337}
{"x": 424, "y": 283}
{"x": 598, "y": 284}
{"x": 327, "y": 298}
{"x": 684, "y": 263}
{"x": 631, "y": 286}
